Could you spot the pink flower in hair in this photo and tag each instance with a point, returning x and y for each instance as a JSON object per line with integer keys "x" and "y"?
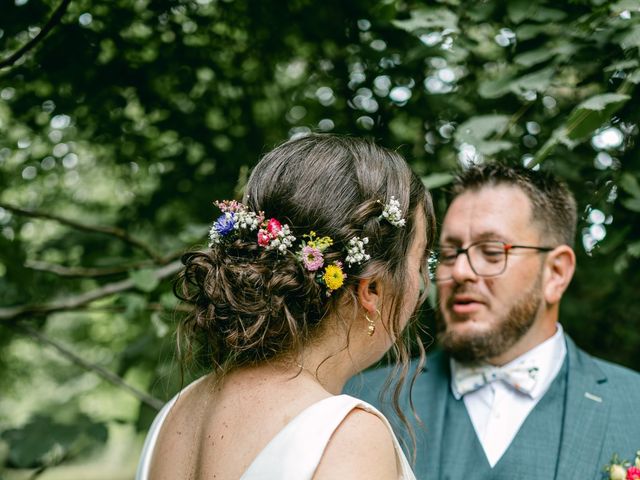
{"x": 263, "y": 238}
{"x": 273, "y": 227}
{"x": 312, "y": 258}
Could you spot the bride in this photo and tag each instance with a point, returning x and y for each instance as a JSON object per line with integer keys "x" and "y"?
{"x": 307, "y": 282}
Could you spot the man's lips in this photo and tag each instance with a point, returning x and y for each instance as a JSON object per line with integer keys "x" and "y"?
{"x": 462, "y": 304}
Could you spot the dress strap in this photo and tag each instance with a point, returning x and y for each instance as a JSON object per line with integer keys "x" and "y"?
{"x": 296, "y": 451}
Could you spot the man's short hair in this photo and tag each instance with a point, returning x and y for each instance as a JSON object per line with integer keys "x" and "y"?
{"x": 553, "y": 206}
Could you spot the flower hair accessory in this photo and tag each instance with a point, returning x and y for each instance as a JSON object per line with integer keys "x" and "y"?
{"x": 392, "y": 213}
{"x": 275, "y": 235}
{"x": 311, "y": 254}
{"x": 235, "y": 216}
{"x": 356, "y": 252}
{"x": 237, "y": 219}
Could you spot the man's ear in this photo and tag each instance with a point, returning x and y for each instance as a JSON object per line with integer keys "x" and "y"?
{"x": 560, "y": 265}
{"x": 369, "y": 294}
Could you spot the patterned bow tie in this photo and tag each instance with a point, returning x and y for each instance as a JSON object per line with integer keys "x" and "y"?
{"x": 521, "y": 377}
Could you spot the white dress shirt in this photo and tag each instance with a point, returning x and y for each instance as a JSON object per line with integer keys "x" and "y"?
{"x": 497, "y": 410}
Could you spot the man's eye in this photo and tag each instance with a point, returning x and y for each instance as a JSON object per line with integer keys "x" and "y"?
{"x": 447, "y": 255}
{"x": 492, "y": 253}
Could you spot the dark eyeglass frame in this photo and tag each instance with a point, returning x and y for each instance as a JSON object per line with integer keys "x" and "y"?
{"x": 459, "y": 250}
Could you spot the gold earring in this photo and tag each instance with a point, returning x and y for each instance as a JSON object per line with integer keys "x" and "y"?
{"x": 371, "y": 325}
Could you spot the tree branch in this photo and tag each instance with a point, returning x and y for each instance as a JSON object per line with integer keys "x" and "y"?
{"x": 151, "y": 307}
{"x": 53, "y": 21}
{"x": 113, "y": 231}
{"x": 83, "y": 272}
{"x": 101, "y": 371}
{"x": 94, "y": 272}
{"x": 73, "y": 303}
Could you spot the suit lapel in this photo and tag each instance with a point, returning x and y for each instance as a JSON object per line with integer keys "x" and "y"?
{"x": 586, "y": 412}
{"x": 430, "y": 396}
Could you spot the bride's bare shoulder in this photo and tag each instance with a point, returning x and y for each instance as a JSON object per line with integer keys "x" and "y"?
{"x": 361, "y": 447}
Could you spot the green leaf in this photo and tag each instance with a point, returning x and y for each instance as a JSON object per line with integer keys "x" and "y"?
{"x": 634, "y": 249}
{"x": 495, "y": 88}
{"x": 544, "y": 14}
{"x": 592, "y": 113}
{"x": 622, "y": 65}
{"x": 629, "y": 38}
{"x": 537, "y": 81}
{"x": 480, "y": 127}
{"x": 43, "y": 441}
{"x": 533, "y": 57}
{"x": 426, "y": 20}
{"x": 634, "y": 77}
{"x": 159, "y": 326}
{"x": 135, "y": 304}
{"x": 621, "y": 264}
{"x": 632, "y": 204}
{"x": 144, "y": 279}
{"x": 437, "y": 180}
{"x": 520, "y": 10}
{"x": 603, "y": 101}
{"x": 630, "y": 184}
{"x": 477, "y": 130}
{"x": 529, "y": 32}
{"x": 621, "y": 5}
{"x": 493, "y": 146}
{"x": 168, "y": 300}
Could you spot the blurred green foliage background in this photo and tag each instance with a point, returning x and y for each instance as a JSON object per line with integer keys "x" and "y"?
{"x": 122, "y": 124}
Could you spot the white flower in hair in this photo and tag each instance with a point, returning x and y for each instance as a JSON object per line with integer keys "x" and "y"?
{"x": 281, "y": 238}
{"x": 356, "y": 252}
{"x": 248, "y": 220}
{"x": 214, "y": 236}
{"x": 392, "y": 213}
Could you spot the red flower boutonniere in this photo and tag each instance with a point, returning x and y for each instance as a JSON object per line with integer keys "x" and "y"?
{"x": 623, "y": 469}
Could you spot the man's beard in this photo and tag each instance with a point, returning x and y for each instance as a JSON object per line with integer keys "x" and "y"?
{"x": 500, "y": 337}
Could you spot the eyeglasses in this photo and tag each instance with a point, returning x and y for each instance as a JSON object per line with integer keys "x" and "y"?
{"x": 486, "y": 259}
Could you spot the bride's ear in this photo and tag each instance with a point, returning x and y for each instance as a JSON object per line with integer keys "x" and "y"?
{"x": 369, "y": 293}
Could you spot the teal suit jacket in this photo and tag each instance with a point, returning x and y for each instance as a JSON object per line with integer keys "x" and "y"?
{"x": 601, "y": 416}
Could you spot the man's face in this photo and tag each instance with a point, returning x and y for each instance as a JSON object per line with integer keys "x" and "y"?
{"x": 482, "y": 317}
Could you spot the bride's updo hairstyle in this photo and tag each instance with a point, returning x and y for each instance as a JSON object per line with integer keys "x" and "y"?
{"x": 252, "y": 304}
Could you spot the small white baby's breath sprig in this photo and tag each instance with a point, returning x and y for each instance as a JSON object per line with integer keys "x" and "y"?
{"x": 283, "y": 240}
{"x": 248, "y": 220}
{"x": 356, "y": 252}
{"x": 214, "y": 236}
{"x": 392, "y": 213}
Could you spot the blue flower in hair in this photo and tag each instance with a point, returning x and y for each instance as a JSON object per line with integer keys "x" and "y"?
{"x": 225, "y": 224}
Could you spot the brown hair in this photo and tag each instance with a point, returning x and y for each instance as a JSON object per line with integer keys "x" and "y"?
{"x": 553, "y": 206}
{"x": 252, "y": 304}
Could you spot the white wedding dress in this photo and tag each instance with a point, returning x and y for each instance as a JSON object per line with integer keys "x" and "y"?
{"x": 295, "y": 452}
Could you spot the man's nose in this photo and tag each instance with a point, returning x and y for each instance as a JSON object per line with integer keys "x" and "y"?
{"x": 462, "y": 271}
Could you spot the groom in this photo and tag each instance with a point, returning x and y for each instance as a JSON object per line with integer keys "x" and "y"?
{"x": 510, "y": 396}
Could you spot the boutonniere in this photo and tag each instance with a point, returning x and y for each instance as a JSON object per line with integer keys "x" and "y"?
{"x": 623, "y": 469}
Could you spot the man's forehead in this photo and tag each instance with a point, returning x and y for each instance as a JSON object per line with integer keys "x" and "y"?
{"x": 492, "y": 212}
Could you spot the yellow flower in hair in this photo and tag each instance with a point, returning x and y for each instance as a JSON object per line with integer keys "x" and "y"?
{"x": 333, "y": 277}
{"x": 321, "y": 243}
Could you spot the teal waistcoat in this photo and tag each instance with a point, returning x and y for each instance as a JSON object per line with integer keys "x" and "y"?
{"x": 533, "y": 453}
